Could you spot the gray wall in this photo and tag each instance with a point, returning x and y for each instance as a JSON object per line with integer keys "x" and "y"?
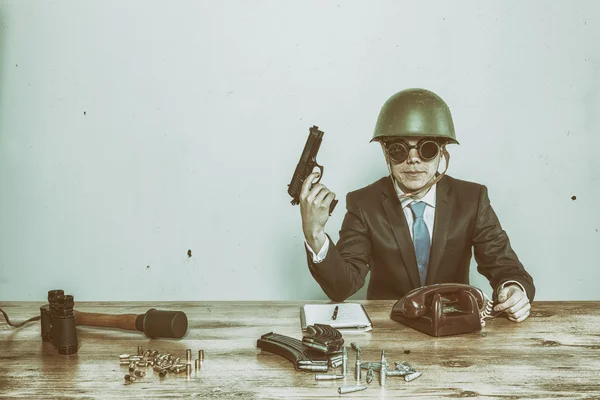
{"x": 132, "y": 131}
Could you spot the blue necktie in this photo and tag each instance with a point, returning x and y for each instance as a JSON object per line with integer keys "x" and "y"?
{"x": 420, "y": 239}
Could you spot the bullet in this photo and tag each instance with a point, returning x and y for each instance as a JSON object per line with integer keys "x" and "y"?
{"x": 412, "y": 376}
{"x": 327, "y": 377}
{"x": 198, "y": 364}
{"x": 188, "y": 356}
{"x": 344, "y": 361}
{"x": 201, "y": 355}
{"x": 350, "y": 389}
{"x": 383, "y": 372}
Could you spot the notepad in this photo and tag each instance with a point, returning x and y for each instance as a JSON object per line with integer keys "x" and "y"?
{"x": 350, "y": 316}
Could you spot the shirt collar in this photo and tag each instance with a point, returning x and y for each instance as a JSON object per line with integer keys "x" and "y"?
{"x": 428, "y": 199}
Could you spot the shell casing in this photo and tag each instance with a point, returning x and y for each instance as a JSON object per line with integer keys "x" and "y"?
{"x": 124, "y": 362}
{"x": 337, "y": 363}
{"x": 201, "y": 355}
{"x": 129, "y": 378}
{"x": 198, "y": 364}
{"x": 176, "y": 360}
{"x": 139, "y": 374}
{"x": 147, "y": 353}
{"x": 140, "y": 351}
{"x": 316, "y": 346}
{"x": 412, "y": 376}
{"x": 327, "y": 377}
{"x": 162, "y": 373}
{"x": 188, "y": 369}
{"x": 188, "y": 356}
{"x": 344, "y": 361}
{"x": 179, "y": 368}
{"x": 124, "y": 356}
{"x": 357, "y": 371}
{"x": 131, "y": 369}
{"x": 383, "y": 373}
{"x": 369, "y": 375}
{"x": 336, "y": 358}
{"x": 396, "y": 372}
{"x": 135, "y": 358}
{"x": 350, "y": 389}
{"x": 316, "y": 368}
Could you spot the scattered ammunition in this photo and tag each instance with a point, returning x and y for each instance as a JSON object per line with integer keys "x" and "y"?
{"x": 327, "y": 377}
{"x": 382, "y": 374}
{"x": 135, "y": 358}
{"x": 139, "y": 374}
{"x": 336, "y": 358}
{"x": 350, "y": 389}
{"x": 143, "y": 363}
{"x": 201, "y": 355}
{"x": 404, "y": 367}
{"x": 396, "y": 372}
{"x": 188, "y": 356}
{"x": 140, "y": 351}
{"x": 337, "y": 363}
{"x": 124, "y": 356}
{"x": 129, "y": 378}
{"x": 124, "y": 362}
{"x": 375, "y": 366}
{"x": 412, "y": 376}
{"x": 344, "y": 361}
{"x": 317, "y": 346}
{"x": 198, "y": 364}
{"x": 179, "y": 368}
{"x": 188, "y": 369}
{"x": 369, "y": 375}
{"x": 315, "y": 368}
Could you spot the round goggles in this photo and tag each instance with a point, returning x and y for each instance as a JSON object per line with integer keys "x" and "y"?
{"x": 426, "y": 148}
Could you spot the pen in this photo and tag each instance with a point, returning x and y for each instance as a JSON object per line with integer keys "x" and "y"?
{"x": 335, "y": 311}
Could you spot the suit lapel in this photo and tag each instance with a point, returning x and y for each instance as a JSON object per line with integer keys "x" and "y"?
{"x": 443, "y": 209}
{"x": 397, "y": 220}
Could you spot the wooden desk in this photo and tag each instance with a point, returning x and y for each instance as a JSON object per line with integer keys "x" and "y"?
{"x": 554, "y": 354}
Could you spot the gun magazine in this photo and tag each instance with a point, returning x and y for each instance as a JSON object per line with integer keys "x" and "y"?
{"x": 324, "y": 338}
{"x": 293, "y": 350}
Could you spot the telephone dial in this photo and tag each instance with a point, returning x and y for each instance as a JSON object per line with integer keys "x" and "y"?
{"x": 444, "y": 309}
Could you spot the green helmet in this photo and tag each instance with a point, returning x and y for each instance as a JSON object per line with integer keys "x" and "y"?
{"x": 415, "y": 112}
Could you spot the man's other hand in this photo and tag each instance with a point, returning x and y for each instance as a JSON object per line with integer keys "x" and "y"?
{"x": 513, "y": 301}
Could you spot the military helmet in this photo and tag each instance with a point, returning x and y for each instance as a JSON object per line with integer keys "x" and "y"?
{"x": 415, "y": 112}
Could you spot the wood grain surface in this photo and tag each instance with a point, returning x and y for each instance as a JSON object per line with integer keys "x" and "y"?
{"x": 555, "y": 354}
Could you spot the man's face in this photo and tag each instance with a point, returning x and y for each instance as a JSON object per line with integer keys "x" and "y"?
{"x": 414, "y": 172}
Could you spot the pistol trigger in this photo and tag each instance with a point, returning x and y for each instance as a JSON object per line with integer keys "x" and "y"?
{"x": 320, "y": 172}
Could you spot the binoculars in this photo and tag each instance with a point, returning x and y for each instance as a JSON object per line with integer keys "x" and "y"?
{"x": 59, "y": 320}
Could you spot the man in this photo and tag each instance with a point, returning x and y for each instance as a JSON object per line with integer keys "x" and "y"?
{"x": 415, "y": 227}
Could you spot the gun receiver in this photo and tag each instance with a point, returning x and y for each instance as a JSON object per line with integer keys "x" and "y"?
{"x": 306, "y": 165}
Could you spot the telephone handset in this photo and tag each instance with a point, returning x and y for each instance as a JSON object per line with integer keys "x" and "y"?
{"x": 443, "y": 309}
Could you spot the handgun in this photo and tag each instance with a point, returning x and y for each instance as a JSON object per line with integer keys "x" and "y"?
{"x": 306, "y": 165}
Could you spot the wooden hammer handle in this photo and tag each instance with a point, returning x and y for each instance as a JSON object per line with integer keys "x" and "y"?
{"x": 121, "y": 321}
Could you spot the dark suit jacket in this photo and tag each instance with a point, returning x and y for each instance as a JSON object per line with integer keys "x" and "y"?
{"x": 375, "y": 236}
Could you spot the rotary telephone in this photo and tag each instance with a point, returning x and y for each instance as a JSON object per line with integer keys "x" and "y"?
{"x": 443, "y": 309}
